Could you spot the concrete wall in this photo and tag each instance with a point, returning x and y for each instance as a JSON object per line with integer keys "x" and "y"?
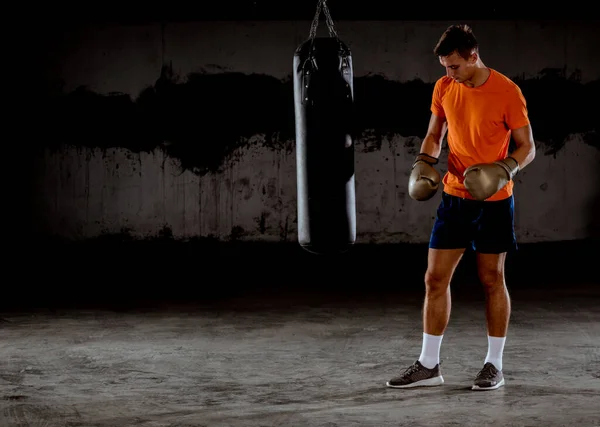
{"x": 188, "y": 129}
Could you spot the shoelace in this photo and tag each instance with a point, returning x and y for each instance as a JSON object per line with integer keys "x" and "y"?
{"x": 411, "y": 369}
{"x": 487, "y": 372}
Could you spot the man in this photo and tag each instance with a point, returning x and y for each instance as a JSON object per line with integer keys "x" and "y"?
{"x": 480, "y": 109}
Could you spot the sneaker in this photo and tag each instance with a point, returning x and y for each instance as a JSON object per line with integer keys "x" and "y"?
{"x": 489, "y": 378}
{"x": 418, "y": 375}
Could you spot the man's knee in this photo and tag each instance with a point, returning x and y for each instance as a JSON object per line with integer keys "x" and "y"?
{"x": 491, "y": 278}
{"x": 490, "y": 269}
{"x": 436, "y": 281}
{"x": 441, "y": 266}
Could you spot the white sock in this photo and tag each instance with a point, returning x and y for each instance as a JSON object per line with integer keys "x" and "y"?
{"x": 495, "y": 350}
{"x": 430, "y": 351}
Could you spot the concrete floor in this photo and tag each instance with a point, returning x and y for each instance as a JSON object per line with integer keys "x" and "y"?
{"x": 292, "y": 352}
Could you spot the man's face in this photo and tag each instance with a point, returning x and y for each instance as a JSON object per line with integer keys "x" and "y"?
{"x": 459, "y": 68}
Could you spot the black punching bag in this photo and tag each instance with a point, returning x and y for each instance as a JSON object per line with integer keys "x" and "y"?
{"x": 323, "y": 100}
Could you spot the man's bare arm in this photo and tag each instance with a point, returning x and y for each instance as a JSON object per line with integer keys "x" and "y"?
{"x": 525, "y": 151}
{"x": 432, "y": 143}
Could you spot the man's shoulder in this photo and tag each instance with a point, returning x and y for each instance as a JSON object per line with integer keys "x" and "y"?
{"x": 443, "y": 83}
{"x": 504, "y": 81}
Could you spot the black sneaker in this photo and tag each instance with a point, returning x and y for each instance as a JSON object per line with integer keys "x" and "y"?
{"x": 489, "y": 378}
{"x": 418, "y": 375}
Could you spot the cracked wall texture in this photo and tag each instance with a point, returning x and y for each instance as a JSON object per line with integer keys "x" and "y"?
{"x": 189, "y": 128}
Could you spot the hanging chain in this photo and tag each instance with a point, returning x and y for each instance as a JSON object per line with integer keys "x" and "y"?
{"x": 315, "y": 23}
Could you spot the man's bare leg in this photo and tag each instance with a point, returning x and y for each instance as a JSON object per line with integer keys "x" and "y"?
{"x": 490, "y": 268}
{"x": 436, "y": 312}
{"x": 436, "y": 309}
{"x": 437, "y": 305}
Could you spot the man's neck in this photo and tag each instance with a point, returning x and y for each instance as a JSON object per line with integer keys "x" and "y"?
{"x": 482, "y": 73}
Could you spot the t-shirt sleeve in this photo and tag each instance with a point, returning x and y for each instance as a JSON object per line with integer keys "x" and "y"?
{"x": 516, "y": 115}
{"x": 436, "y": 100}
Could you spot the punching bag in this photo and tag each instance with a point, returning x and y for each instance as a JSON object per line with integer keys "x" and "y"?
{"x": 323, "y": 101}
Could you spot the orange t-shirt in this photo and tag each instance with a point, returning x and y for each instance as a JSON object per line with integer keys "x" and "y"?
{"x": 480, "y": 121}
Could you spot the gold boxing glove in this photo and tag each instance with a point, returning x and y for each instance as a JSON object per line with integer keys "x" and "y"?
{"x": 483, "y": 180}
{"x": 424, "y": 179}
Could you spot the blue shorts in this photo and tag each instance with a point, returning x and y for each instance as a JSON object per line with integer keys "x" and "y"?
{"x": 485, "y": 227}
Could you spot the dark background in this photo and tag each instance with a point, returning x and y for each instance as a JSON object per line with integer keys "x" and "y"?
{"x": 69, "y": 250}
{"x": 260, "y": 10}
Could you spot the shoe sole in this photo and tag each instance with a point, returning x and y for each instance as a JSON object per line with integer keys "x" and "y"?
{"x": 430, "y": 382}
{"x": 494, "y": 387}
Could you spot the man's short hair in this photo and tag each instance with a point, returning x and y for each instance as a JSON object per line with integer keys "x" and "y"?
{"x": 457, "y": 38}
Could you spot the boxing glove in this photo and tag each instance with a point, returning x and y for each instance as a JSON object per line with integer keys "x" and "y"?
{"x": 424, "y": 178}
{"x": 483, "y": 180}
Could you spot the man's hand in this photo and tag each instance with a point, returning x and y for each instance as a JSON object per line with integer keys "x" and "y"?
{"x": 424, "y": 179}
{"x": 483, "y": 180}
